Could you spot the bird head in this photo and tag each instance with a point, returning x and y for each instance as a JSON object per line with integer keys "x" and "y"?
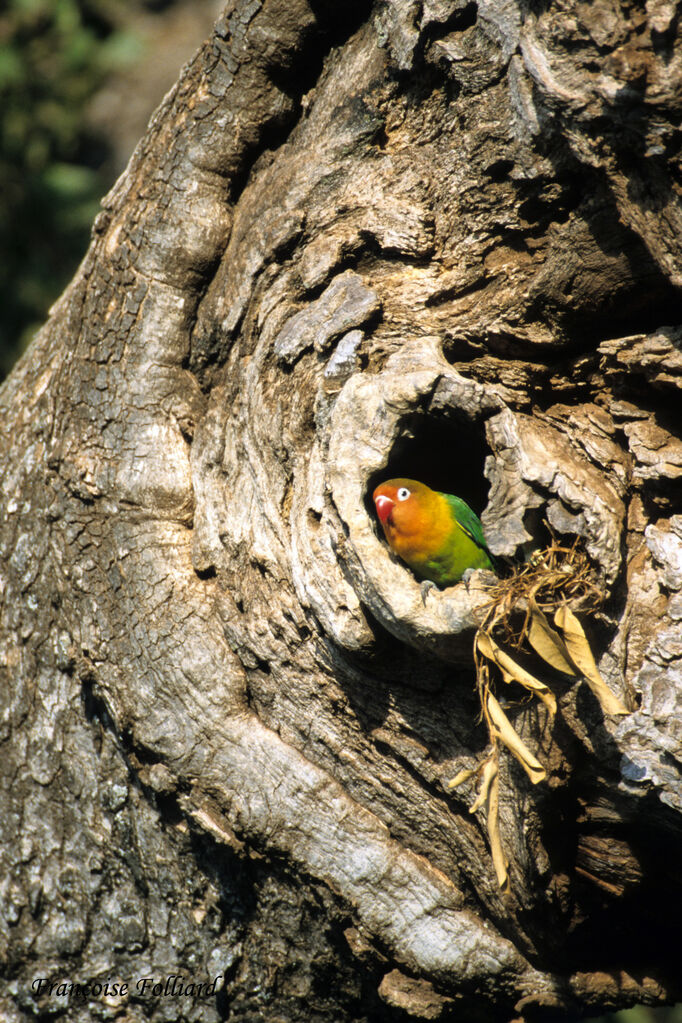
{"x": 397, "y": 502}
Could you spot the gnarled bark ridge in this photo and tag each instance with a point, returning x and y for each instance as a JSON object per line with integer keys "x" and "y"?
{"x": 437, "y": 239}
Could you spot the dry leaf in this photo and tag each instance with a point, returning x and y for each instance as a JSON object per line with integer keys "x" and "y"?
{"x": 493, "y": 821}
{"x": 503, "y": 729}
{"x": 547, "y": 642}
{"x": 489, "y": 794}
{"x": 461, "y": 777}
{"x": 488, "y": 774}
{"x": 513, "y": 671}
{"x": 581, "y": 655}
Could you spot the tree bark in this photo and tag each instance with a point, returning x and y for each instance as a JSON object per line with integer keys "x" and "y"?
{"x": 437, "y": 239}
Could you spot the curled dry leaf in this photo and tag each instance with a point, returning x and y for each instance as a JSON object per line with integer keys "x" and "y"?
{"x": 511, "y": 671}
{"x": 581, "y": 655}
{"x": 493, "y": 819}
{"x": 547, "y": 642}
{"x": 489, "y": 796}
{"x": 488, "y": 773}
{"x": 461, "y": 777}
{"x": 503, "y": 730}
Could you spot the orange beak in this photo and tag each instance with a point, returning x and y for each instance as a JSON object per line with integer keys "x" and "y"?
{"x": 384, "y": 506}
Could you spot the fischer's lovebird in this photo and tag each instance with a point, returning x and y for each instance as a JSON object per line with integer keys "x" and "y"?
{"x": 437, "y": 535}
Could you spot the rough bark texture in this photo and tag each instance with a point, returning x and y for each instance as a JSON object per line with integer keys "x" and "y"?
{"x": 435, "y": 238}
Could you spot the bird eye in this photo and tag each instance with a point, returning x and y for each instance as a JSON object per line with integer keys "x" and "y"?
{"x": 403, "y": 494}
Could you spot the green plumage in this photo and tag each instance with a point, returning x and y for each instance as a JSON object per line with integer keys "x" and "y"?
{"x": 468, "y": 520}
{"x": 464, "y": 548}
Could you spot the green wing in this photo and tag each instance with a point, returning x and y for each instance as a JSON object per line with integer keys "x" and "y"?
{"x": 469, "y": 521}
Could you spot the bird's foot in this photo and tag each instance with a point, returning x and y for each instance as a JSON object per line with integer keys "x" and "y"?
{"x": 425, "y": 588}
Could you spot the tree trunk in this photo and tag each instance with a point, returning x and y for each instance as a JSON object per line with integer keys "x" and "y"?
{"x": 437, "y": 239}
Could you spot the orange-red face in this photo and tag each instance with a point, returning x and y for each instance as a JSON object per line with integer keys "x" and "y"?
{"x": 400, "y": 506}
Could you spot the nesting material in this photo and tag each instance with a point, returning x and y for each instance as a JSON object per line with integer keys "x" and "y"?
{"x": 532, "y": 612}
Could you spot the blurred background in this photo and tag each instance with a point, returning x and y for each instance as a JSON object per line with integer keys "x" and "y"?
{"x": 640, "y": 1014}
{"x": 79, "y": 80}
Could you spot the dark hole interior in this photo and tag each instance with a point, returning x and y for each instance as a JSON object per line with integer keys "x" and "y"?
{"x": 446, "y": 454}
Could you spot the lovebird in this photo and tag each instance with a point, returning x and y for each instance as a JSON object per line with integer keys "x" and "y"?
{"x": 437, "y": 535}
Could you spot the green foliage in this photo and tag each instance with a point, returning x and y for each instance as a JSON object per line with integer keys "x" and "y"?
{"x": 642, "y": 1014}
{"x": 54, "y": 54}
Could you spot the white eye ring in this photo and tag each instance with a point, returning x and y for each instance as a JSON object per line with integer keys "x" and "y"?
{"x": 403, "y": 494}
